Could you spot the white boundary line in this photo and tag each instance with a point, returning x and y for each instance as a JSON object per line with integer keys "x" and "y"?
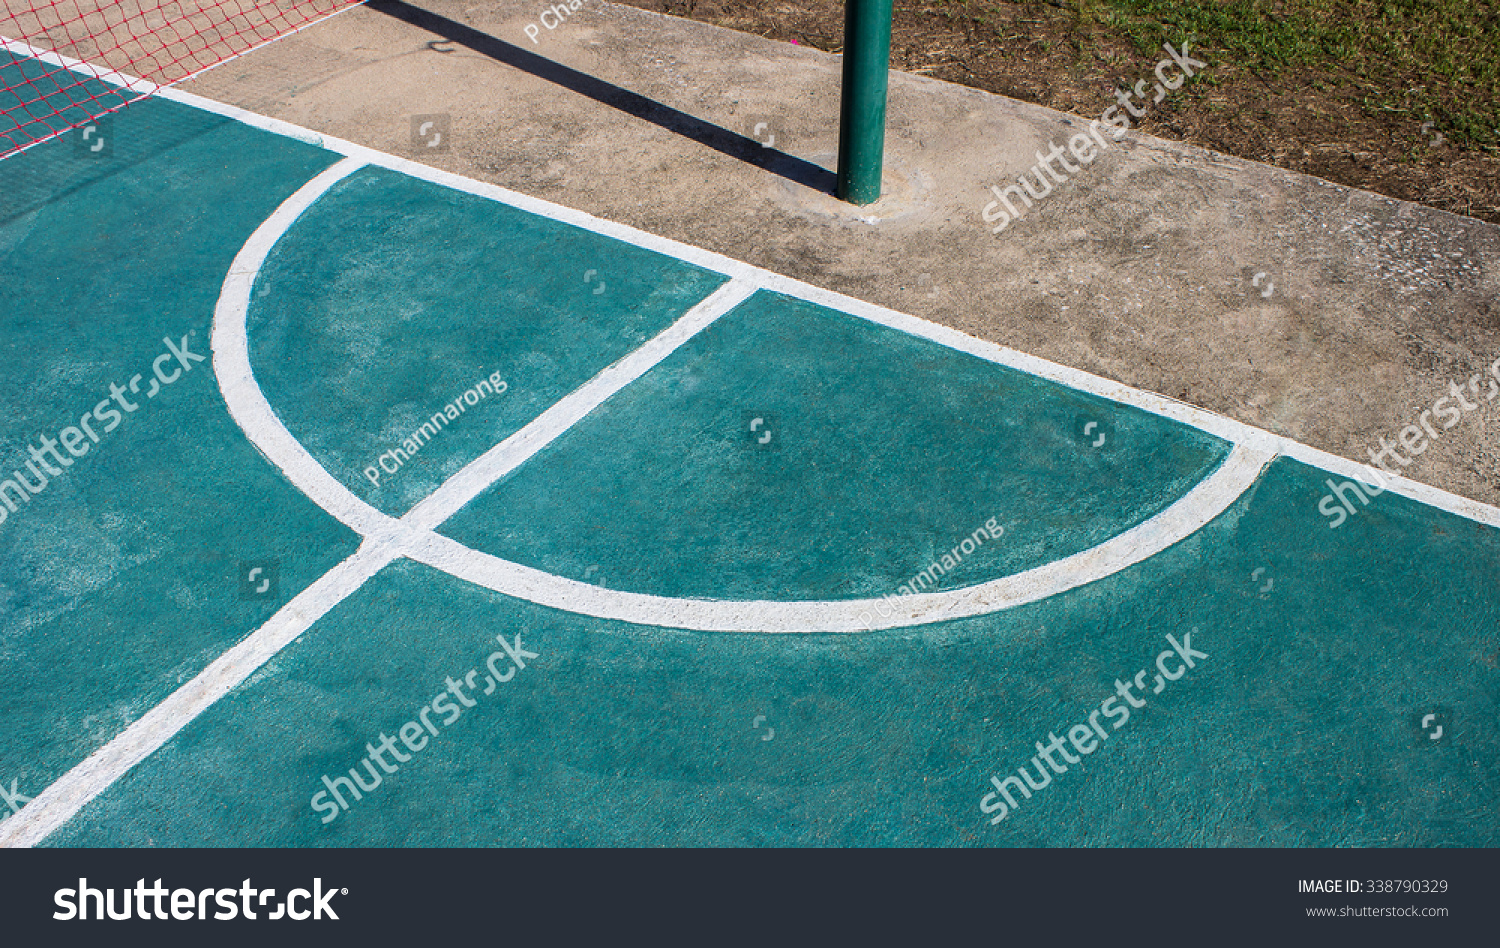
{"x": 133, "y": 83}
{"x": 58, "y": 803}
{"x": 143, "y": 87}
{"x": 1227, "y": 428}
{"x": 412, "y": 536}
{"x": 414, "y": 533}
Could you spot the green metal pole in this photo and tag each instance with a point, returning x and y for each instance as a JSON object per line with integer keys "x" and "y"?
{"x": 867, "y": 60}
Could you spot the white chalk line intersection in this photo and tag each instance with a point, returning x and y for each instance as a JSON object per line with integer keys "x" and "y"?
{"x": 428, "y": 547}
{"x": 384, "y": 537}
{"x": 414, "y": 534}
{"x": 387, "y": 538}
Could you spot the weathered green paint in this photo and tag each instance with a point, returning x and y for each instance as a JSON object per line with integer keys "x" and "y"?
{"x": 867, "y": 57}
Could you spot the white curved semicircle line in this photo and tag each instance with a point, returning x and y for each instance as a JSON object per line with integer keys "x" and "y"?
{"x": 247, "y": 404}
{"x": 414, "y": 536}
{"x": 1208, "y": 498}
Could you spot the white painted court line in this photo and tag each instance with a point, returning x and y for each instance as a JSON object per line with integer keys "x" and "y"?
{"x": 1254, "y": 449}
{"x": 1186, "y": 516}
{"x": 58, "y": 803}
{"x": 414, "y": 533}
{"x": 144, "y": 87}
{"x": 102, "y": 73}
{"x": 141, "y": 87}
{"x": 383, "y": 536}
{"x": 246, "y": 402}
{"x": 1236, "y": 432}
{"x": 1227, "y": 428}
{"x": 511, "y": 453}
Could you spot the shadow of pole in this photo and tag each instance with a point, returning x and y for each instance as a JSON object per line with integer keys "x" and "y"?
{"x": 719, "y": 139}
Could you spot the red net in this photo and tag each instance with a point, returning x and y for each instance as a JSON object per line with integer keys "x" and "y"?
{"x": 64, "y": 63}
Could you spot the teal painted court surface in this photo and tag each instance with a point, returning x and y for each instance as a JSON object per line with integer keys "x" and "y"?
{"x": 1304, "y": 720}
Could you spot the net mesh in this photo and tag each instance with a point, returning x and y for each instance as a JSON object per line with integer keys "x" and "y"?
{"x": 64, "y": 63}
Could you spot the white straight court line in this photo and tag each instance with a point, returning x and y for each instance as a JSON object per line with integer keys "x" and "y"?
{"x": 413, "y": 537}
{"x": 102, "y": 73}
{"x": 511, "y": 453}
{"x": 1227, "y": 428}
{"x": 383, "y": 536}
{"x": 58, "y": 803}
{"x": 143, "y": 87}
{"x": 414, "y": 533}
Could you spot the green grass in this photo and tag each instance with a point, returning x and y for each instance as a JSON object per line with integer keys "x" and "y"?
{"x": 1436, "y": 60}
{"x": 1433, "y": 60}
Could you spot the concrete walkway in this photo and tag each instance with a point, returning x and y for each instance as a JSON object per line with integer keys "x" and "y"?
{"x": 1150, "y": 266}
